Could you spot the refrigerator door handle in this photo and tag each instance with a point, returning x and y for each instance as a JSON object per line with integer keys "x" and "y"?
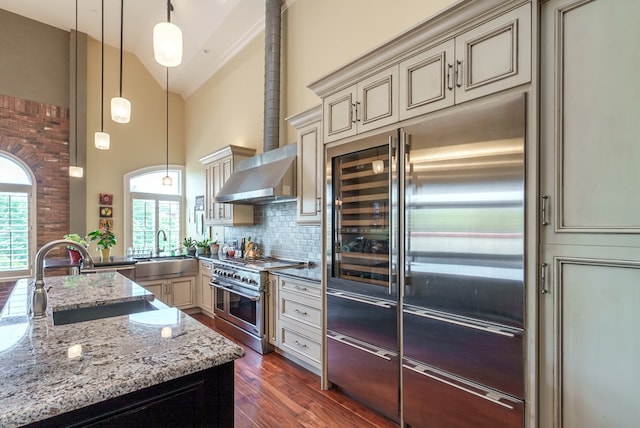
{"x": 392, "y": 233}
{"x": 360, "y": 299}
{"x": 486, "y": 394}
{"x": 485, "y": 328}
{"x": 375, "y": 351}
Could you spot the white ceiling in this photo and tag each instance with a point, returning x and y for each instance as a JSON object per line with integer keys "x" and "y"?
{"x": 212, "y": 30}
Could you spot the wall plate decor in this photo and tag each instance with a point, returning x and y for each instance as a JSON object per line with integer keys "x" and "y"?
{"x": 105, "y": 223}
{"x": 106, "y": 199}
{"x": 106, "y": 212}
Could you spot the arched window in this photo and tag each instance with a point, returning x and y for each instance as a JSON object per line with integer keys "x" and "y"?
{"x": 151, "y": 207}
{"x": 17, "y": 217}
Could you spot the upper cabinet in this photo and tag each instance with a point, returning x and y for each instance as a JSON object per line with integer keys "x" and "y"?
{"x": 369, "y": 104}
{"x": 310, "y": 169}
{"x": 430, "y": 68}
{"x": 218, "y": 168}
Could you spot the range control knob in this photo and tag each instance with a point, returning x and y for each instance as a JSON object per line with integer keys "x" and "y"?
{"x": 253, "y": 281}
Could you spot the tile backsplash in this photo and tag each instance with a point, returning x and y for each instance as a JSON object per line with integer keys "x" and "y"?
{"x": 278, "y": 234}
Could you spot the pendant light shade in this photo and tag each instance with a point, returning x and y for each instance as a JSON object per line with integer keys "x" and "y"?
{"x": 75, "y": 170}
{"x": 167, "y": 41}
{"x": 120, "y": 106}
{"x": 120, "y": 110}
{"x": 102, "y": 140}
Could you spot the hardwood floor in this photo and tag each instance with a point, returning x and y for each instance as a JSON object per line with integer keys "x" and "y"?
{"x": 271, "y": 391}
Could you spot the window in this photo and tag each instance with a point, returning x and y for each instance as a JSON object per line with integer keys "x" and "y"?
{"x": 153, "y": 207}
{"x": 17, "y": 207}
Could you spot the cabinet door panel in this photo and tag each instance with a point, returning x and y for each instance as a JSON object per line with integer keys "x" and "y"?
{"x": 157, "y": 288}
{"x": 182, "y": 292}
{"x": 338, "y": 115}
{"x": 494, "y": 56}
{"x": 226, "y": 170}
{"x": 590, "y": 342}
{"x": 426, "y": 81}
{"x": 377, "y": 103}
{"x": 308, "y": 185}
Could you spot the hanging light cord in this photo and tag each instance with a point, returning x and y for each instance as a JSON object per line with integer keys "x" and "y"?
{"x": 167, "y": 121}
{"x": 169, "y": 9}
{"x": 121, "y": 37}
{"x": 75, "y": 121}
{"x": 102, "y": 79}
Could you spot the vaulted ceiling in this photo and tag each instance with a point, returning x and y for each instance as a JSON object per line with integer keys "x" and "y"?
{"x": 212, "y": 30}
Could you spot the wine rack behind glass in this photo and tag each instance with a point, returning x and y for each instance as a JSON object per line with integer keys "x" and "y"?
{"x": 362, "y": 216}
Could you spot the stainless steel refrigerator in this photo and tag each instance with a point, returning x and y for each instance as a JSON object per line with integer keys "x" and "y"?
{"x": 425, "y": 268}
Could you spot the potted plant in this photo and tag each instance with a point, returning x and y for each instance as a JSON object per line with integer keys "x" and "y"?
{"x": 73, "y": 253}
{"x": 105, "y": 239}
{"x": 214, "y": 247}
{"x": 190, "y": 246}
{"x": 203, "y": 247}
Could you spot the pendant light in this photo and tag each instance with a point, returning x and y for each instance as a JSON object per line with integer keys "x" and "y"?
{"x": 102, "y": 139}
{"x": 167, "y": 41}
{"x": 121, "y": 107}
{"x": 166, "y": 180}
{"x": 75, "y": 170}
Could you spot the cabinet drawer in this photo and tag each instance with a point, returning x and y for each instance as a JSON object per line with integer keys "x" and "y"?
{"x": 303, "y": 346}
{"x": 307, "y": 288}
{"x": 295, "y": 309}
{"x": 205, "y": 266}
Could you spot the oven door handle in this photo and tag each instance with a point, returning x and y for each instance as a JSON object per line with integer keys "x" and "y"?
{"x": 253, "y": 298}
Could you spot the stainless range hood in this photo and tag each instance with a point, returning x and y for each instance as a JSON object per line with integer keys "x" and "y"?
{"x": 265, "y": 178}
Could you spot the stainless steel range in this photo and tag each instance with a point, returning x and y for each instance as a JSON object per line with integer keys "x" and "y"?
{"x": 240, "y": 288}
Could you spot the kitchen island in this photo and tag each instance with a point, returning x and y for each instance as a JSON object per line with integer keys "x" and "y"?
{"x": 155, "y": 366}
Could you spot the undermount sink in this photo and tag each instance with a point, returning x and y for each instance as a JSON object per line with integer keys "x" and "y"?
{"x": 165, "y": 267}
{"x": 70, "y": 316}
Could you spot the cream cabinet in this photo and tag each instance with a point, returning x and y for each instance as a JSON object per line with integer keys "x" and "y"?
{"x": 205, "y": 292}
{"x": 487, "y": 49}
{"x": 298, "y": 323}
{"x": 178, "y": 292}
{"x": 218, "y": 167}
{"x": 369, "y": 104}
{"x": 489, "y": 58}
{"x": 590, "y": 228}
{"x": 310, "y": 169}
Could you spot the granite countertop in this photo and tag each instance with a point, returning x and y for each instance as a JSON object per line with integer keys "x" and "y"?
{"x": 42, "y": 378}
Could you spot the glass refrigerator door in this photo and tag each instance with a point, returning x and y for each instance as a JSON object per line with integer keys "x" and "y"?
{"x": 361, "y": 221}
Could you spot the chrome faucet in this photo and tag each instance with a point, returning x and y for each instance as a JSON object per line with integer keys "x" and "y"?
{"x": 164, "y": 235}
{"x": 39, "y": 296}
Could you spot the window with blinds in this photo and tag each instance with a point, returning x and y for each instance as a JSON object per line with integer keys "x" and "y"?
{"x": 15, "y": 217}
{"x": 155, "y": 207}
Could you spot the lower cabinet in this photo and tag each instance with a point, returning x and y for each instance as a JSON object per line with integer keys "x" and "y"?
{"x": 178, "y": 292}
{"x": 204, "y": 291}
{"x": 201, "y": 399}
{"x": 297, "y": 320}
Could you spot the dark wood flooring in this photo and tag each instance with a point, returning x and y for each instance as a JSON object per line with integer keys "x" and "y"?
{"x": 271, "y": 391}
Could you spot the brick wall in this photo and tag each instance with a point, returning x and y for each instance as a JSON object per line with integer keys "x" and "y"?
{"x": 38, "y": 134}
